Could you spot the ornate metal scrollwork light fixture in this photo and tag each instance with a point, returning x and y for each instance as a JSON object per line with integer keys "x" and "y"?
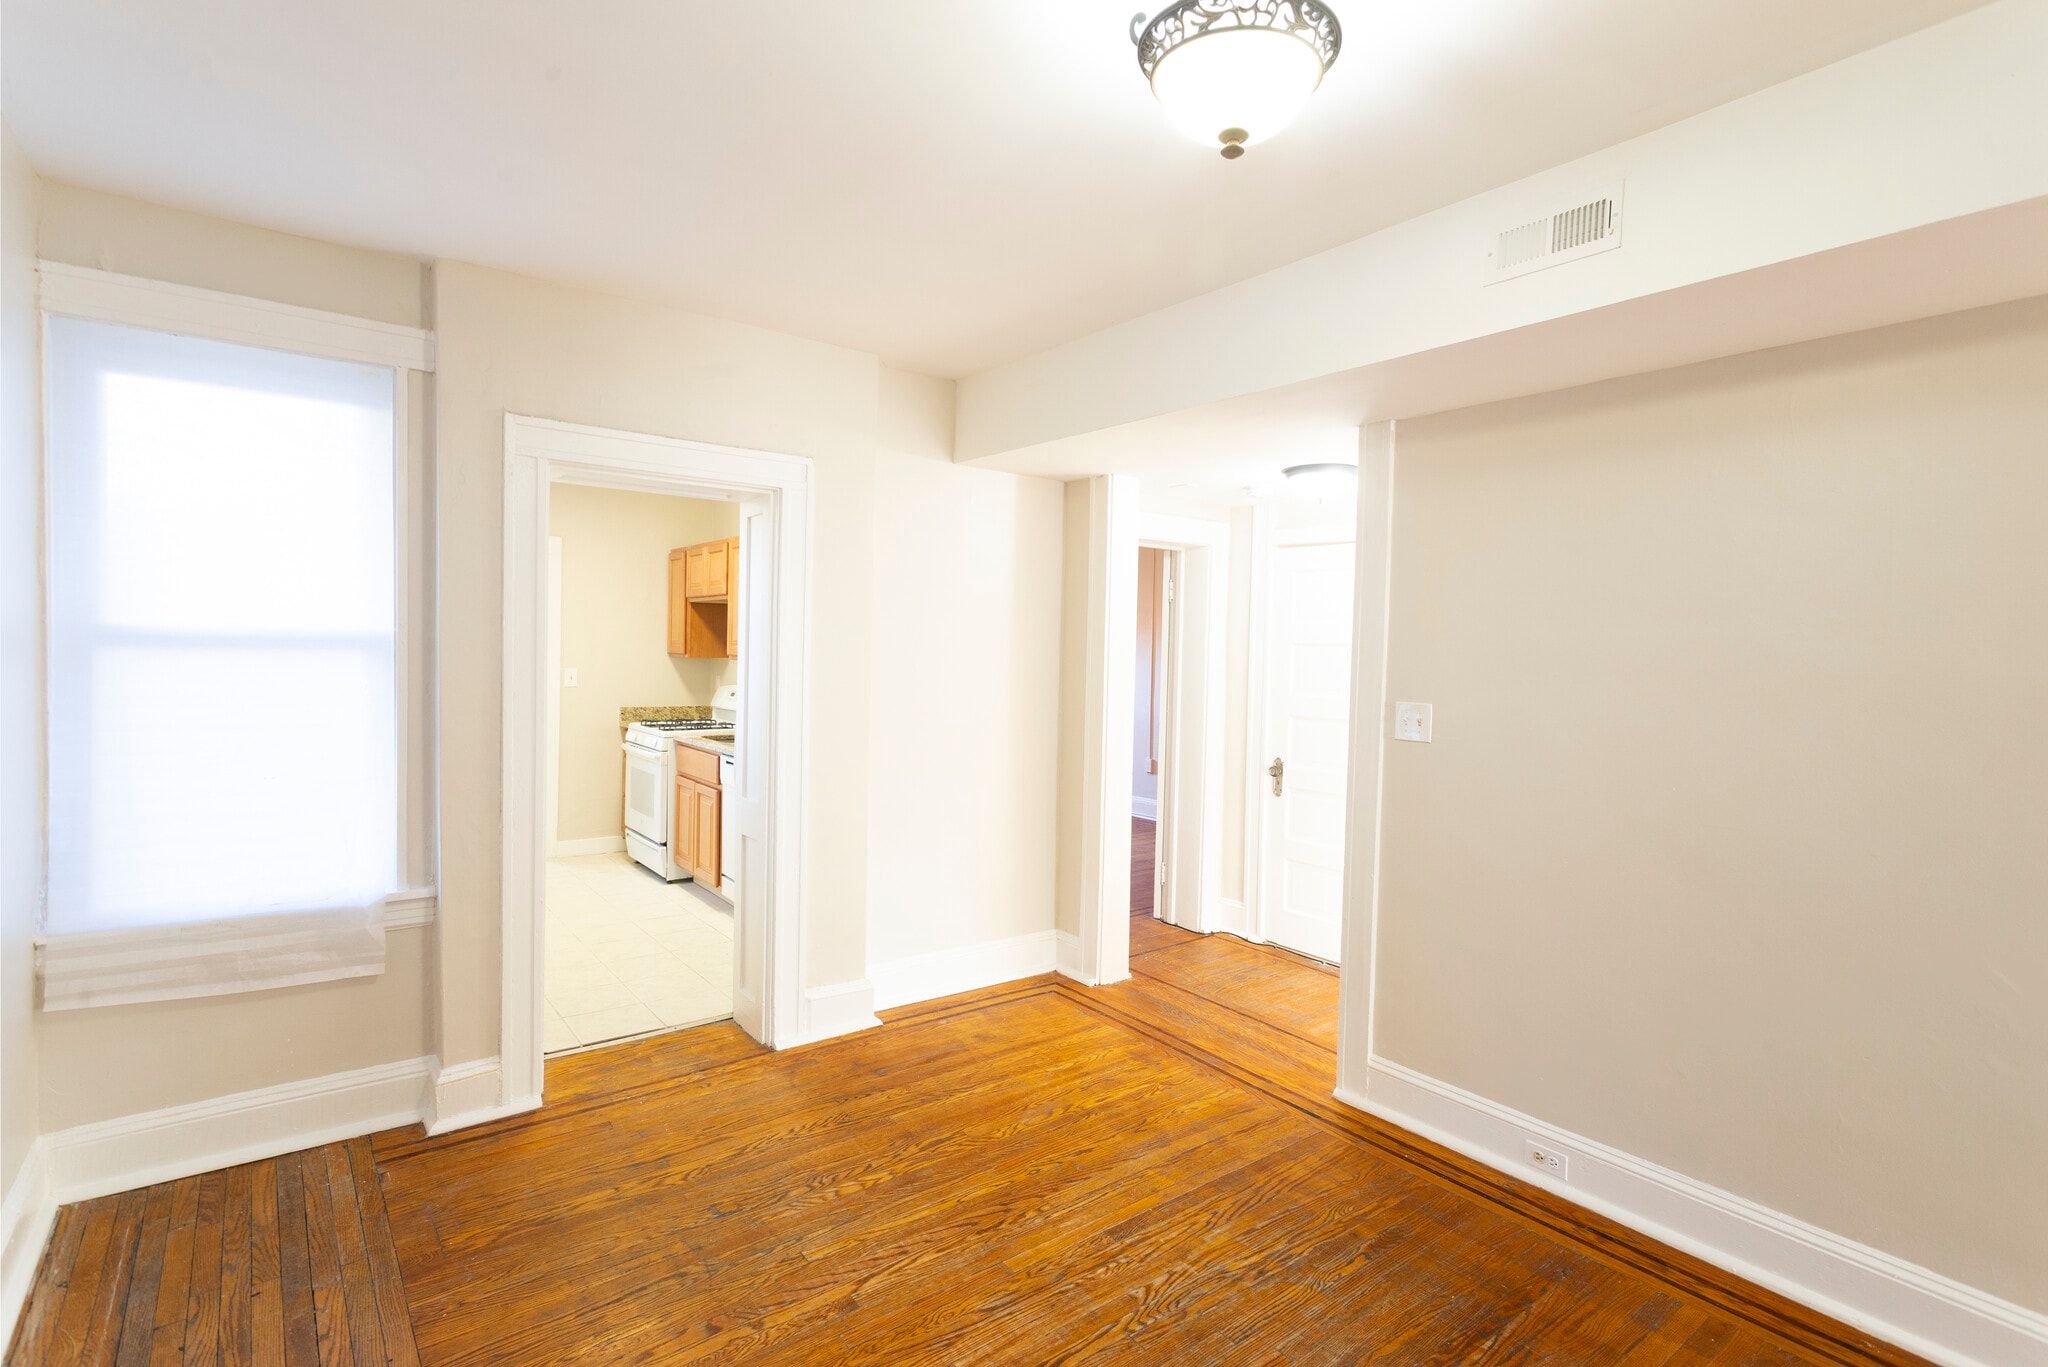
{"x": 1235, "y": 72}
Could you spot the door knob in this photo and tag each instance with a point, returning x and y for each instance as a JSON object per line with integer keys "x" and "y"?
{"x": 1278, "y": 769}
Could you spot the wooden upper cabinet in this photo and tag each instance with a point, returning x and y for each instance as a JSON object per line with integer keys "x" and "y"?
{"x": 703, "y": 588}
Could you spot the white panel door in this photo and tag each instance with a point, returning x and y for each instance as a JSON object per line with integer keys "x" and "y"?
{"x": 1308, "y": 706}
{"x": 742, "y": 807}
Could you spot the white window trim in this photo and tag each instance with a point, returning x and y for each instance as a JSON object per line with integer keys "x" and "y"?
{"x": 104, "y": 297}
{"x": 69, "y": 291}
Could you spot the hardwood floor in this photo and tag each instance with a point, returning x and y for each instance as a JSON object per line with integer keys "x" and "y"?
{"x": 1149, "y": 1172}
{"x": 286, "y": 1261}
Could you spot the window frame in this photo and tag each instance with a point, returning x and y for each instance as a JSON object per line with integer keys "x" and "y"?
{"x": 78, "y": 292}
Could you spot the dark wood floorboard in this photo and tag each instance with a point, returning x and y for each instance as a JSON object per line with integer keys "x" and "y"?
{"x": 1149, "y": 1172}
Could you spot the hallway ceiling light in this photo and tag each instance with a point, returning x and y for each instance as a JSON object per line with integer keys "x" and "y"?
{"x": 1322, "y": 480}
{"x": 1236, "y": 72}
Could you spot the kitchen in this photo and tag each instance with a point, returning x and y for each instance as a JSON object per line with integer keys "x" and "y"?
{"x": 644, "y": 647}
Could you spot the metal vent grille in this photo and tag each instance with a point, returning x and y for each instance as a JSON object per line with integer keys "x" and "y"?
{"x": 1566, "y": 235}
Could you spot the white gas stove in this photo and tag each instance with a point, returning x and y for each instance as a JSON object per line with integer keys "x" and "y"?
{"x": 650, "y": 784}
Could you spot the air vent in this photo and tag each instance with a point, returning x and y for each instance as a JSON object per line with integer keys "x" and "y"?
{"x": 1590, "y": 226}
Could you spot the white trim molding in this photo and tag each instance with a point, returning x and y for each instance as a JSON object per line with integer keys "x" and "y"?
{"x": 1233, "y": 917}
{"x": 105, "y": 297}
{"x": 1069, "y": 961}
{"x": 1919, "y": 1310}
{"x": 838, "y": 1009}
{"x": 459, "y": 1095}
{"x": 410, "y": 908}
{"x": 596, "y": 844}
{"x": 1110, "y": 676}
{"x": 1145, "y": 808}
{"x": 963, "y": 968}
{"x": 27, "y": 1215}
{"x": 179, "y": 1141}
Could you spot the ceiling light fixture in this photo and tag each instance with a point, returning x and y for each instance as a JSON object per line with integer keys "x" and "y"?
{"x": 1236, "y": 72}
{"x": 1322, "y": 480}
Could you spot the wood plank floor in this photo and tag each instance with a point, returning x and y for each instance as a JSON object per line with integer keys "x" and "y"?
{"x": 1149, "y": 1172}
{"x": 273, "y": 1264}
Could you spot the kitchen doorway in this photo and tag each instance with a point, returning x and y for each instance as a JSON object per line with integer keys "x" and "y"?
{"x": 642, "y": 730}
{"x": 770, "y": 561}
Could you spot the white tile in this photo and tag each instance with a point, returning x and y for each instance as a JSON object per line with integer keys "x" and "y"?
{"x": 582, "y": 998}
{"x": 556, "y": 1034}
{"x": 614, "y": 1022}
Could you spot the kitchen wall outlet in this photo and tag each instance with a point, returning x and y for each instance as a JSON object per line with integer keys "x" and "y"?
{"x": 568, "y": 678}
{"x": 1554, "y": 1161}
{"x": 1413, "y": 721}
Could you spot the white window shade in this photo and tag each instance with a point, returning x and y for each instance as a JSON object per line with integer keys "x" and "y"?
{"x": 223, "y": 760}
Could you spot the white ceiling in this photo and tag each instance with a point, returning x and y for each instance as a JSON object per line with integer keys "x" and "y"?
{"x": 949, "y": 183}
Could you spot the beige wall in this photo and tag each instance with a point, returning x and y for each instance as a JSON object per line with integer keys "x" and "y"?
{"x": 1729, "y": 847}
{"x": 21, "y": 673}
{"x": 512, "y": 344}
{"x": 107, "y": 1062}
{"x": 965, "y": 667}
{"x": 615, "y": 546}
{"x": 971, "y": 550}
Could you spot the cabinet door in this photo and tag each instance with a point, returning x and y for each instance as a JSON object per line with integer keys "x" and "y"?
{"x": 699, "y": 572}
{"x": 716, "y": 566}
{"x": 678, "y": 603}
{"x": 706, "y": 862}
{"x": 684, "y": 847}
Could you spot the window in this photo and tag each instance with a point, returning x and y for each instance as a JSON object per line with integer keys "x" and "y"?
{"x": 223, "y": 656}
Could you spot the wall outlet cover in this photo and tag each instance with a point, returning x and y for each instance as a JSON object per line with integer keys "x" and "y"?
{"x": 1414, "y": 721}
{"x": 1552, "y": 1161}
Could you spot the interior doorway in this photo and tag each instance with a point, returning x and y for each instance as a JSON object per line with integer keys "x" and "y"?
{"x": 643, "y": 713}
{"x": 763, "y": 806}
{"x": 1150, "y": 694}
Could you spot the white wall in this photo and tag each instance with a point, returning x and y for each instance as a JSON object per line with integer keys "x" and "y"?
{"x": 966, "y": 620}
{"x": 21, "y": 657}
{"x": 615, "y": 546}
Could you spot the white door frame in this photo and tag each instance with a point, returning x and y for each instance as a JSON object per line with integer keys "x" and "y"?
{"x": 774, "y": 690}
{"x": 1191, "y": 758}
{"x": 1371, "y": 614}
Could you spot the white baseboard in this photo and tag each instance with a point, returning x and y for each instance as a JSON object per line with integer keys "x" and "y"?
{"x": 1922, "y": 1311}
{"x": 1068, "y": 959}
{"x": 463, "y": 1094}
{"x": 941, "y": 973}
{"x": 837, "y": 1009}
{"x": 179, "y": 1141}
{"x": 27, "y": 1214}
{"x": 1146, "y": 807}
{"x": 596, "y": 844}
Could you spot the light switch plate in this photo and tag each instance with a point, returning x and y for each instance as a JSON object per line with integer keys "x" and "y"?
{"x": 568, "y": 678}
{"x": 1413, "y": 721}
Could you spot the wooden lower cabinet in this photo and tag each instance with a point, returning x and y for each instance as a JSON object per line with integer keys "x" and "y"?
{"x": 698, "y": 811}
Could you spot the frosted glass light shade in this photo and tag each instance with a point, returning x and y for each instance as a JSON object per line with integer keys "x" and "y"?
{"x": 1250, "y": 79}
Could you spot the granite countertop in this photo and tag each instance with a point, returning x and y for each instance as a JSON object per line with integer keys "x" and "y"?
{"x": 701, "y": 742}
{"x": 679, "y": 712}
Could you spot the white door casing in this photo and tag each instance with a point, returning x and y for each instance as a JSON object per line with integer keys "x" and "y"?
{"x": 776, "y": 497}
{"x": 1308, "y": 607}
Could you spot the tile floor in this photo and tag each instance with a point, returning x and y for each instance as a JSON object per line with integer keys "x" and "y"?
{"x": 629, "y": 954}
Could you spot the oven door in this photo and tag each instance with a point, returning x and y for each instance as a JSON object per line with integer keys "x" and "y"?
{"x": 647, "y": 793}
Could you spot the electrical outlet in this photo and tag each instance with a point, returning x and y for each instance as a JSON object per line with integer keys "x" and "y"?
{"x": 1554, "y": 1161}
{"x": 568, "y": 678}
{"x": 1413, "y": 721}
